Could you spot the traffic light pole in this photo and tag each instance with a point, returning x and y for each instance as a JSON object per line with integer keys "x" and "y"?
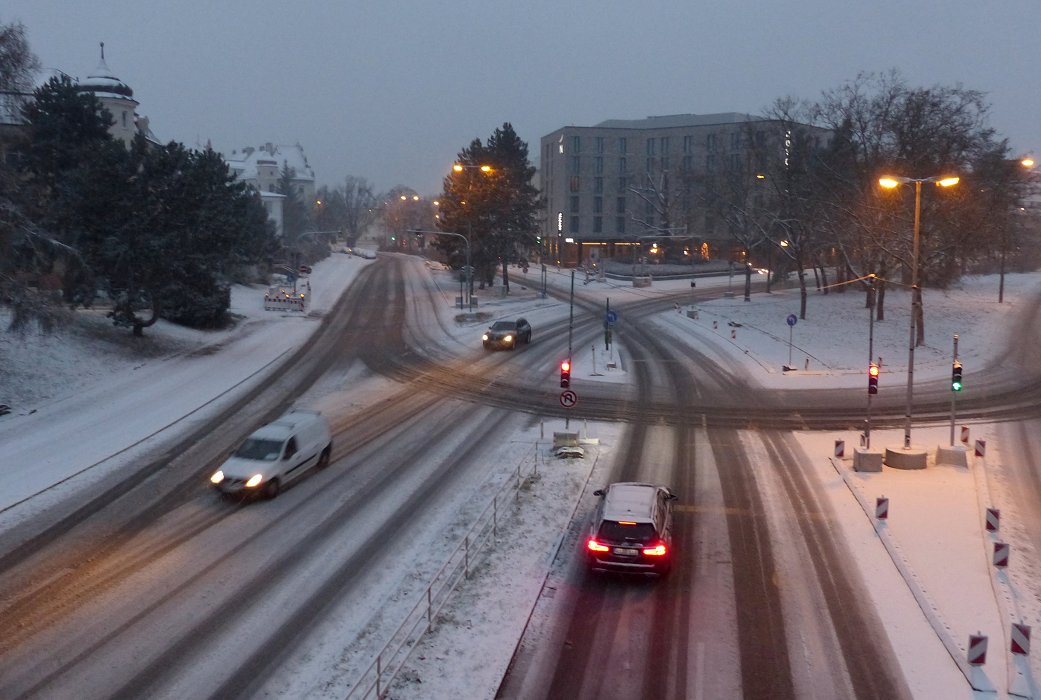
{"x": 954, "y": 392}
{"x": 570, "y": 328}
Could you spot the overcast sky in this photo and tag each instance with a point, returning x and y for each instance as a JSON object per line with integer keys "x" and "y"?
{"x": 391, "y": 91}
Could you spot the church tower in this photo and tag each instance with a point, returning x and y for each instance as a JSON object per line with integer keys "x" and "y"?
{"x": 117, "y": 97}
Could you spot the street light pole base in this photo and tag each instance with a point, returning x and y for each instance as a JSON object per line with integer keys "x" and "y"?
{"x": 906, "y": 458}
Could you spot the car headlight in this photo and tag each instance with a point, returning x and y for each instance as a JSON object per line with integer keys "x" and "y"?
{"x": 508, "y": 339}
{"x": 484, "y": 337}
{"x": 218, "y": 476}
{"x": 254, "y": 480}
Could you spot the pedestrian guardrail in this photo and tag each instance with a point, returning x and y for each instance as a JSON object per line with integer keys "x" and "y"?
{"x": 376, "y": 680}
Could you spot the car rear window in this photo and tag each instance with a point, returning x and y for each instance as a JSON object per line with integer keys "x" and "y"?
{"x": 612, "y": 531}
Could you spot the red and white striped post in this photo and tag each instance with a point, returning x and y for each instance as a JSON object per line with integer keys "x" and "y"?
{"x": 840, "y": 449}
{"x": 882, "y": 508}
{"x": 977, "y": 649}
{"x": 993, "y": 519}
{"x": 1020, "y": 639}
{"x": 1001, "y": 552}
{"x": 965, "y": 435}
{"x": 981, "y": 448}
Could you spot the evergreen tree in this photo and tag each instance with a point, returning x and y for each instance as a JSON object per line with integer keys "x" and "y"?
{"x": 494, "y": 206}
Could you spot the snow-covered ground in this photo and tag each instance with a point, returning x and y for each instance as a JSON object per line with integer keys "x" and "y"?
{"x": 84, "y": 405}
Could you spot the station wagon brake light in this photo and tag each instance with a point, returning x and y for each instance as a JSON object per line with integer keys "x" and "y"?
{"x": 595, "y": 546}
{"x": 658, "y": 550}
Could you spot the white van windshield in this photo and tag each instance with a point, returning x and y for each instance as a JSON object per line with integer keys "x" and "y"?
{"x": 266, "y": 450}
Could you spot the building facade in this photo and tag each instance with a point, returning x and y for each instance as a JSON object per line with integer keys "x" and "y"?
{"x": 608, "y": 186}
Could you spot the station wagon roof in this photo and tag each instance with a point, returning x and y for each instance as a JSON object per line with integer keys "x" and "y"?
{"x": 630, "y": 501}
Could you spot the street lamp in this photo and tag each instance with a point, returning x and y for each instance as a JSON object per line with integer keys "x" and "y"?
{"x": 892, "y": 182}
{"x": 487, "y": 170}
{"x": 1026, "y": 163}
{"x": 466, "y": 240}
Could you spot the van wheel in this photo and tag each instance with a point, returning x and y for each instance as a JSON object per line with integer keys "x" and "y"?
{"x": 272, "y": 488}
{"x": 323, "y": 459}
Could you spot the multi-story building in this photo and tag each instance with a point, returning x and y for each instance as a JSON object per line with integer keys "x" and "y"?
{"x": 262, "y": 168}
{"x": 608, "y": 186}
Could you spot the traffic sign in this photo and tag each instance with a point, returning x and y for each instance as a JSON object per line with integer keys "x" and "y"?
{"x": 612, "y": 317}
{"x": 568, "y": 398}
{"x": 792, "y": 319}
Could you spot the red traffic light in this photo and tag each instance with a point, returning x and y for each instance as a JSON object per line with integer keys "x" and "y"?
{"x": 565, "y": 374}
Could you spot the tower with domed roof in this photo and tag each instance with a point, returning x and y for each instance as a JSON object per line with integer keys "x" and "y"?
{"x": 117, "y": 97}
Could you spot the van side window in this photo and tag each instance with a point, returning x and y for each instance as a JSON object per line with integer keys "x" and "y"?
{"x": 290, "y": 448}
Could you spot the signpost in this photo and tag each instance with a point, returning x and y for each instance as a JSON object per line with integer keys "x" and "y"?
{"x": 792, "y": 320}
{"x": 568, "y": 399}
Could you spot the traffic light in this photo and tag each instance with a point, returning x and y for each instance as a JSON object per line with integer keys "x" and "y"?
{"x": 872, "y": 378}
{"x": 565, "y": 374}
{"x": 956, "y": 376}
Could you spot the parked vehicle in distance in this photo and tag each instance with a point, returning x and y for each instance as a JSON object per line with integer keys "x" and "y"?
{"x": 276, "y": 454}
{"x": 305, "y": 269}
{"x": 632, "y": 529}
{"x": 507, "y": 334}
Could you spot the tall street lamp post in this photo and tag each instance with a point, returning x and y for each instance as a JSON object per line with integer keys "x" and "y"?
{"x": 891, "y": 182}
{"x": 487, "y": 170}
{"x": 469, "y": 299}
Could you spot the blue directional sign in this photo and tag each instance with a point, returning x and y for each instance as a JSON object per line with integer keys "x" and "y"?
{"x": 792, "y": 318}
{"x": 612, "y": 317}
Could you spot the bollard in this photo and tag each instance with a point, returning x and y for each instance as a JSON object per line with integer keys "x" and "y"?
{"x": 840, "y": 449}
{"x": 993, "y": 519}
{"x": 1001, "y": 552}
{"x": 882, "y": 508}
{"x": 965, "y": 435}
{"x": 977, "y": 649}
{"x": 1020, "y": 639}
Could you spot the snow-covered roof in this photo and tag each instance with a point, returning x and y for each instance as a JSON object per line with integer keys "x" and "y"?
{"x": 245, "y": 161}
{"x": 104, "y": 84}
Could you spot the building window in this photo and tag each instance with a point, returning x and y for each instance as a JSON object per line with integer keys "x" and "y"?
{"x": 576, "y": 144}
{"x": 664, "y": 143}
{"x": 124, "y": 119}
{"x": 620, "y": 205}
{"x": 623, "y": 166}
{"x": 574, "y": 183}
{"x": 574, "y": 202}
{"x": 599, "y": 144}
{"x": 710, "y": 143}
{"x": 735, "y": 140}
{"x": 664, "y": 162}
{"x": 710, "y": 163}
{"x": 688, "y": 144}
{"x": 576, "y": 164}
{"x": 650, "y": 166}
{"x": 688, "y": 163}
{"x": 598, "y": 205}
{"x": 735, "y": 161}
{"x": 599, "y": 165}
{"x": 650, "y": 146}
{"x": 598, "y": 185}
{"x": 598, "y": 224}
{"x": 619, "y": 224}
{"x": 623, "y": 145}
{"x": 622, "y": 183}
{"x": 574, "y": 224}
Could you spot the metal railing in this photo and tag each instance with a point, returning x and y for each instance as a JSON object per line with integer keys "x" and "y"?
{"x": 389, "y": 661}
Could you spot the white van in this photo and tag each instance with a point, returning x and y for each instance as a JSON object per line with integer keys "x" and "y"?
{"x": 276, "y": 454}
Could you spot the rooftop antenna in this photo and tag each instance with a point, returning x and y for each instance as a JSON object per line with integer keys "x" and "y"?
{"x": 102, "y": 51}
